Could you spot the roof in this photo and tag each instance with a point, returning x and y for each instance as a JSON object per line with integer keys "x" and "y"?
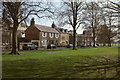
{"x": 23, "y": 25}
{"x": 46, "y": 28}
{"x": 80, "y": 35}
{"x": 59, "y": 30}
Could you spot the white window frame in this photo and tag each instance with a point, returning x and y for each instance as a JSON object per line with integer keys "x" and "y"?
{"x": 57, "y": 35}
{"x": 51, "y": 35}
{"x": 44, "y": 34}
{"x": 63, "y": 31}
{"x": 45, "y": 42}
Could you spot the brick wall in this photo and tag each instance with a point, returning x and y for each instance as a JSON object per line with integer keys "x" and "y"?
{"x": 32, "y": 33}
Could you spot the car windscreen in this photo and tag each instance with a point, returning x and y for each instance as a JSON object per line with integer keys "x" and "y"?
{"x": 29, "y": 45}
{"x": 52, "y": 45}
{"x": 71, "y": 44}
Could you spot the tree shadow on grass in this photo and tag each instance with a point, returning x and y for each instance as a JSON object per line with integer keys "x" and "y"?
{"x": 101, "y": 67}
{"x": 91, "y": 67}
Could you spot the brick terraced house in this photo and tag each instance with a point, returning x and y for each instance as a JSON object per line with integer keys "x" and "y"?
{"x": 41, "y": 35}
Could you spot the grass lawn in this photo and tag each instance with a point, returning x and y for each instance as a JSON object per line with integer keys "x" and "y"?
{"x": 63, "y": 63}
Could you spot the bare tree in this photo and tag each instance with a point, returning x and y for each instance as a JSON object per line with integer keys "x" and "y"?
{"x": 111, "y": 27}
{"x": 115, "y": 7}
{"x": 92, "y": 15}
{"x": 104, "y": 35}
{"x": 115, "y": 10}
{"x": 111, "y": 13}
{"x": 18, "y": 12}
{"x": 71, "y": 14}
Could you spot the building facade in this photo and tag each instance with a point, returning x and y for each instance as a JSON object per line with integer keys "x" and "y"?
{"x": 6, "y": 34}
{"x": 64, "y": 36}
{"x": 84, "y": 39}
{"x": 41, "y": 35}
{"x": 88, "y": 37}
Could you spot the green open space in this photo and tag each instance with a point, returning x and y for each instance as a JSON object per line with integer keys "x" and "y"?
{"x": 63, "y": 63}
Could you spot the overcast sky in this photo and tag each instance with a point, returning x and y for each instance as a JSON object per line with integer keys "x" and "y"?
{"x": 48, "y": 22}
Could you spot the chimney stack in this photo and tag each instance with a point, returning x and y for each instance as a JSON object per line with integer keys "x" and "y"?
{"x": 32, "y": 22}
{"x": 53, "y": 25}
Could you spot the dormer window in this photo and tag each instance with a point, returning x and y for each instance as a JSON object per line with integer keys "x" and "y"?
{"x": 63, "y": 31}
{"x": 44, "y": 34}
{"x": 56, "y": 35}
{"x": 51, "y": 35}
{"x": 66, "y": 31}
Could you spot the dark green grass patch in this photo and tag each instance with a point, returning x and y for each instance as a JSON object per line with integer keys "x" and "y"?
{"x": 63, "y": 63}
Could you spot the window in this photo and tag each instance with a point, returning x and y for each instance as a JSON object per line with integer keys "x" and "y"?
{"x": 44, "y": 34}
{"x": 63, "y": 37}
{"x": 51, "y": 35}
{"x": 23, "y": 35}
{"x": 63, "y": 31}
{"x": 56, "y": 35}
{"x": 88, "y": 39}
{"x": 44, "y": 42}
{"x": 3, "y": 44}
{"x": 67, "y": 38}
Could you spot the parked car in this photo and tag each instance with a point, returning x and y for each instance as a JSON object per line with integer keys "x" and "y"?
{"x": 96, "y": 45}
{"x": 50, "y": 46}
{"x": 69, "y": 46}
{"x": 30, "y": 46}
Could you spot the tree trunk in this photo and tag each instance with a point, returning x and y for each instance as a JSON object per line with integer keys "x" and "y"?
{"x": 93, "y": 37}
{"x": 14, "y": 40}
{"x": 74, "y": 39}
{"x": 109, "y": 42}
{"x": 104, "y": 44}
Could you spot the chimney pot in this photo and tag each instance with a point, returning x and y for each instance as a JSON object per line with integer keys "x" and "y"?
{"x": 32, "y": 22}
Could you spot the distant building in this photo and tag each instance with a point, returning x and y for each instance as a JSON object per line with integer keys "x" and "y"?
{"x": 71, "y": 37}
{"x": 21, "y": 30}
{"x": 6, "y": 31}
{"x": 81, "y": 39}
{"x": 41, "y": 35}
{"x": 88, "y": 38}
{"x": 64, "y": 36}
{"x": 6, "y": 34}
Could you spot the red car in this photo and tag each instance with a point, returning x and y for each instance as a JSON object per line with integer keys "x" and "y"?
{"x": 50, "y": 46}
